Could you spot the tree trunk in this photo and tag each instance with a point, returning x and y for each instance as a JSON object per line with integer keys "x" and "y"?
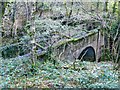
{"x": 34, "y": 57}
{"x": 65, "y": 4}
{"x": 118, "y": 11}
{"x": 70, "y": 13}
{"x": 114, "y": 7}
{"x": 3, "y": 5}
{"x": 118, "y": 34}
{"x": 105, "y": 9}
{"x": 0, "y": 29}
{"x": 98, "y": 4}
{"x": 2, "y": 9}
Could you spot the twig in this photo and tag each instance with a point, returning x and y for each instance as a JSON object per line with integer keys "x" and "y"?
{"x": 62, "y": 51}
{"x": 80, "y": 58}
{"x": 83, "y": 55}
{"x": 40, "y": 46}
{"x": 63, "y": 35}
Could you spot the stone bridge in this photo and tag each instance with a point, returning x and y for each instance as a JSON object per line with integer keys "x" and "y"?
{"x": 78, "y": 47}
{"x": 86, "y": 47}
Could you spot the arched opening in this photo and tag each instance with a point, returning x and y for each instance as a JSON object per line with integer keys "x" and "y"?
{"x": 88, "y": 54}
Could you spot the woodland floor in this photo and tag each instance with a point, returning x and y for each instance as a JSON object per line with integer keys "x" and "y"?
{"x": 18, "y": 73}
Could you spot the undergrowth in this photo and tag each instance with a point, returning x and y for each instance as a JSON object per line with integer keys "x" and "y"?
{"x": 20, "y": 73}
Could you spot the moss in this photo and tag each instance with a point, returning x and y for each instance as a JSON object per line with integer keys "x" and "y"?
{"x": 74, "y": 39}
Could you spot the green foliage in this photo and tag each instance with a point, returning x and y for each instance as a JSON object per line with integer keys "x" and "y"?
{"x": 111, "y": 34}
{"x": 43, "y": 6}
{"x": 54, "y": 73}
{"x": 114, "y": 27}
{"x": 20, "y": 73}
{"x": 18, "y": 49}
{"x": 106, "y": 55}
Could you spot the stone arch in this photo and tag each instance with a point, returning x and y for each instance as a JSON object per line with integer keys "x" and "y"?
{"x": 88, "y": 54}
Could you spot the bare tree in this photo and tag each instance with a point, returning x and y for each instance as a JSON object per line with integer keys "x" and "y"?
{"x": 117, "y": 37}
{"x": 118, "y": 11}
{"x": 65, "y": 4}
{"x": 70, "y": 13}
{"x": 2, "y": 10}
{"x": 105, "y": 6}
{"x": 34, "y": 57}
{"x": 98, "y": 4}
{"x": 114, "y": 7}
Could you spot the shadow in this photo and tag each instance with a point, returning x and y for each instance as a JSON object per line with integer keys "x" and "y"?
{"x": 88, "y": 54}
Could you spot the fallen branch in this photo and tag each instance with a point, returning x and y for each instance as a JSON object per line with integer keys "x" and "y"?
{"x": 62, "y": 51}
{"x": 39, "y": 46}
{"x": 117, "y": 34}
{"x": 62, "y": 35}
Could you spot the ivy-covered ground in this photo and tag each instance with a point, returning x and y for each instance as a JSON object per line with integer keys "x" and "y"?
{"x": 20, "y": 73}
